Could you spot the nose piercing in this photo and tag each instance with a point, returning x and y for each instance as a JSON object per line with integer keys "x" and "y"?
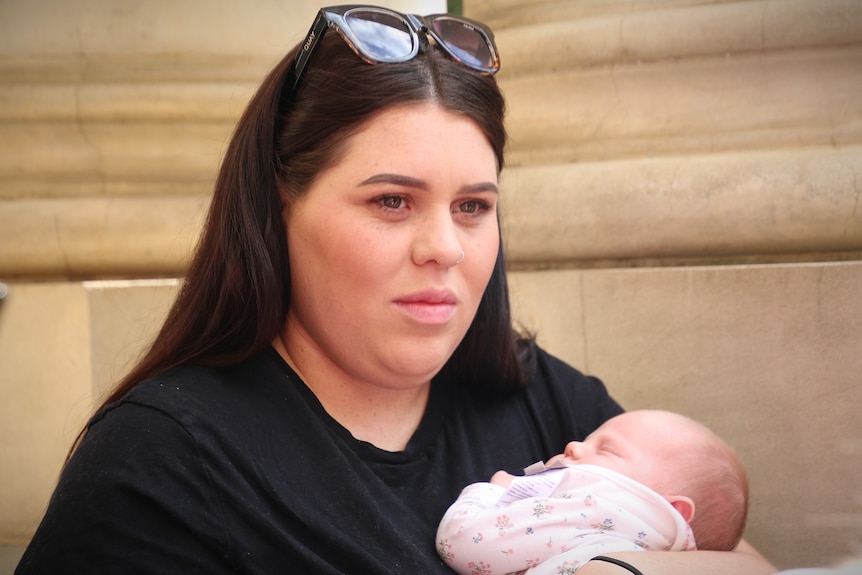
{"x": 461, "y": 259}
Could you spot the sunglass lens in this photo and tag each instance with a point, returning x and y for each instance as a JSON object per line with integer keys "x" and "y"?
{"x": 467, "y": 43}
{"x": 382, "y": 37}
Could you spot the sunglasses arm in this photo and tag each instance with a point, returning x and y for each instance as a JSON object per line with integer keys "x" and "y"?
{"x": 312, "y": 40}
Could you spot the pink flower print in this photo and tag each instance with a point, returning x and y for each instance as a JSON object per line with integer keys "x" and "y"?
{"x": 480, "y": 568}
{"x": 532, "y": 563}
{"x": 606, "y": 525}
{"x": 541, "y": 509}
{"x": 567, "y": 568}
{"x": 502, "y": 524}
{"x": 444, "y": 549}
{"x": 588, "y": 501}
{"x": 478, "y": 538}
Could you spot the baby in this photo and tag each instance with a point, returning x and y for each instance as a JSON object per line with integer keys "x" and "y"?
{"x": 647, "y": 479}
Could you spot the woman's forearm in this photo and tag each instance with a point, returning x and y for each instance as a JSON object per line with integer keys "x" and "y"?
{"x": 743, "y": 560}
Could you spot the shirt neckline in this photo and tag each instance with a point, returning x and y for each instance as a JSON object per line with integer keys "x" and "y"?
{"x": 430, "y": 426}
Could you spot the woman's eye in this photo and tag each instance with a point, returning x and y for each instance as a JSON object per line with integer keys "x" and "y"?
{"x": 391, "y": 202}
{"x": 472, "y": 207}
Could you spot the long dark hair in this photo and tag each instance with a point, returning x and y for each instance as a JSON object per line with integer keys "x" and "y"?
{"x": 235, "y": 296}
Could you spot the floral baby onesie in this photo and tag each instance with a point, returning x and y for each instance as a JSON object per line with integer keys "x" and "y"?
{"x": 553, "y": 522}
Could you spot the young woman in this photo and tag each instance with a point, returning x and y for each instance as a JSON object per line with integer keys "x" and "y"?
{"x": 340, "y": 360}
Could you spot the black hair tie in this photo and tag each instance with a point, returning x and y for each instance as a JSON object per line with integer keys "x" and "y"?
{"x": 622, "y": 564}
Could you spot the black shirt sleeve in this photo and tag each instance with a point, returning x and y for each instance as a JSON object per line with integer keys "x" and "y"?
{"x": 134, "y": 498}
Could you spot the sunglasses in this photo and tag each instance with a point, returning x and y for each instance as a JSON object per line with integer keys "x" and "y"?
{"x": 381, "y": 36}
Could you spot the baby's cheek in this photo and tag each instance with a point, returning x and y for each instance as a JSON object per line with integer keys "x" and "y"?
{"x": 502, "y": 478}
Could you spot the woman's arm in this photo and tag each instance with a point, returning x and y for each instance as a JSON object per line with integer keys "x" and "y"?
{"x": 743, "y": 560}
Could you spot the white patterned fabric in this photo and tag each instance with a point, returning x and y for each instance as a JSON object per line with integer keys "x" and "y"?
{"x": 553, "y": 522}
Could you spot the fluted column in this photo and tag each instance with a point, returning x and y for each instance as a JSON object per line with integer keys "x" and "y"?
{"x": 716, "y": 147}
{"x": 681, "y": 131}
{"x": 113, "y": 119}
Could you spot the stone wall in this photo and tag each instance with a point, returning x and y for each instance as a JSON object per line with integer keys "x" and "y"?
{"x": 681, "y": 204}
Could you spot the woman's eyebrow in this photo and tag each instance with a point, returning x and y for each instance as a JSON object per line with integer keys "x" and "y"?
{"x": 397, "y": 179}
{"x": 416, "y": 183}
{"x": 480, "y": 187}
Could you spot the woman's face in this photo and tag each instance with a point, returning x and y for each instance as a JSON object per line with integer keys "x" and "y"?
{"x": 378, "y": 294}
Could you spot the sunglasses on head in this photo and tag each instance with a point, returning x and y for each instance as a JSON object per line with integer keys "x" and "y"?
{"x": 381, "y": 36}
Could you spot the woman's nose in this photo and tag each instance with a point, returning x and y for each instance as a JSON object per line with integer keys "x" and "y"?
{"x": 437, "y": 240}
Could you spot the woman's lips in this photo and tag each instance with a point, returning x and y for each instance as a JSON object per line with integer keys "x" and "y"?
{"x": 433, "y": 307}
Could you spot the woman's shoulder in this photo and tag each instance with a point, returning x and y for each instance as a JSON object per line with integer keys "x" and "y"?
{"x": 558, "y": 404}
{"x": 197, "y": 396}
{"x": 182, "y": 389}
{"x": 555, "y": 387}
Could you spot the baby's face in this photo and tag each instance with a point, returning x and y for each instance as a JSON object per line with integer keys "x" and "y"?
{"x": 637, "y": 444}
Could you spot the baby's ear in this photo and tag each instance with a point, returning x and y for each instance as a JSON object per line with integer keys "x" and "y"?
{"x": 684, "y": 505}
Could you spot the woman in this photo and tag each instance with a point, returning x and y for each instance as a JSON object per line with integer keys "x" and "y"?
{"x": 341, "y": 354}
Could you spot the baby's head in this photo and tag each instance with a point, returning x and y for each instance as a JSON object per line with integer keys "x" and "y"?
{"x": 681, "y": 460}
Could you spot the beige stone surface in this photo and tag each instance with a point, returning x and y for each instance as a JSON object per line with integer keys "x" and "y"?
{"x": 62, "y": 345}
{"x": 768, "y": 356}
{"x": 693, "y": 114}
{"x": 590, "y": 33}
{"x": 108, "y": 154}
{"x": 124, "y": 318}
{"x": 46, "y": 390}
{"x": 132, "y": 103}
{"x": 100, "y": 236}
{"x": 727, "y": 102}
{"x": 164, "y": 26}
{"x": 10, "y": 555}
{"x": 797, "y": 201}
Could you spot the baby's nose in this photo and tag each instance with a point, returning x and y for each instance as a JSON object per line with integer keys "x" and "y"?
{"x": 574, "y": 450}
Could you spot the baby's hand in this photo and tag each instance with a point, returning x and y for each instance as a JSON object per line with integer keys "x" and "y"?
{"x": 502, "y": 478}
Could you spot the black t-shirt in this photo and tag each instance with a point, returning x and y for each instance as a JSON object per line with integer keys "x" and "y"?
{"x": 240, "y": 470}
